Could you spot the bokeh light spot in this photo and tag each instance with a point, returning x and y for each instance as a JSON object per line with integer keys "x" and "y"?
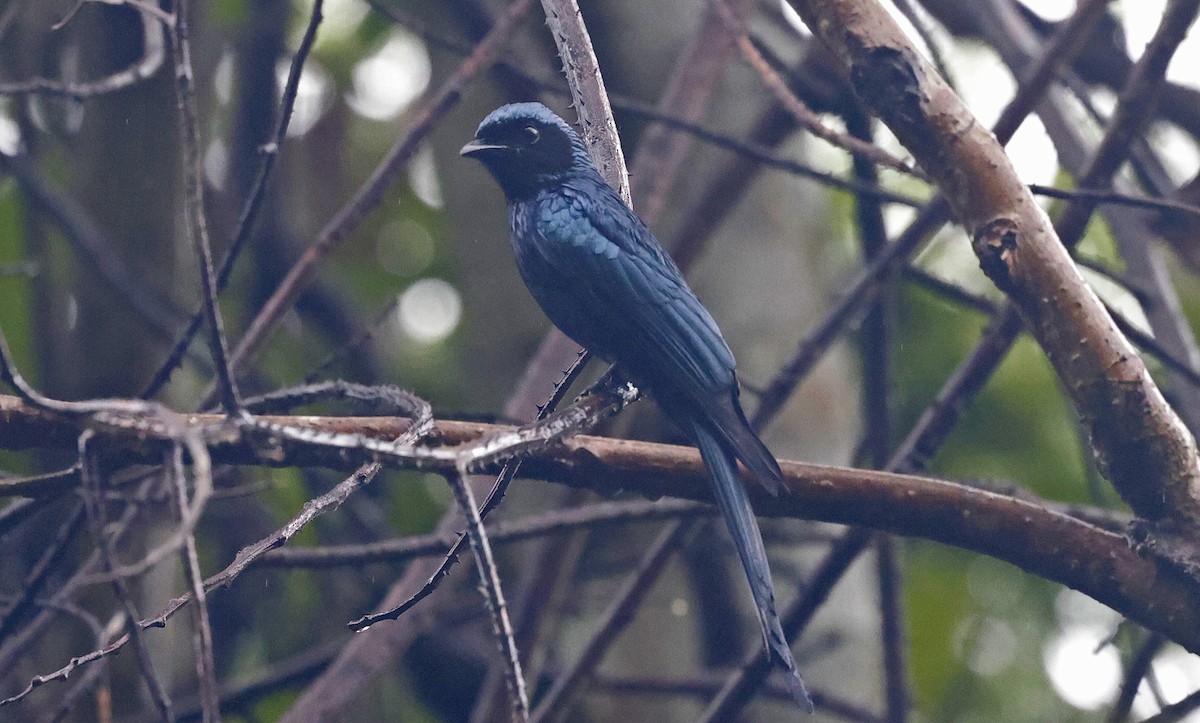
{"x": 429, "y": 310}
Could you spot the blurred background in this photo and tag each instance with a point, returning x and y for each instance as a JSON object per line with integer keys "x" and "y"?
{"x": 424, "y": 295}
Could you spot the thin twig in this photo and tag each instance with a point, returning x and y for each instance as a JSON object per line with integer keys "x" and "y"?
{"x": 499, "y": 487}
{"x": 858, "y": 292}
{"x": 253, "y": 202}
{"x": 279, "y": 676}
{"x": 489, "y": 578}
{"x": 920, "y": 24}
{"x": 1141, "y": 339}
{"x": 556, "y": 703}
{"x": 141, "y": 69}
{"x": 876, "y": 351}
{"x": 688, "y": 95}
{"x": 197, "y": 225}
{"x": 553, "y": 523}
{"x": 206, "y": 671}
{"x": 17, "y": 647}
{"x": 371, "y": 192}
{"x": 94, "y": 674}
{"x": 1137, "y": 670}
{"x": 1115, "y": 198}
{"x": 39, "y": 573}
{"x": 1176, "y": 712}
{"x": 365, "y": 336}
{"x": 895, "y": 643}
{"x": 98, "y": 516}
{"x": 83, "y": 235}
{"x": 801, "y": 112}
{"x": 422, "y": 420}
{"x": 706, "y": 685}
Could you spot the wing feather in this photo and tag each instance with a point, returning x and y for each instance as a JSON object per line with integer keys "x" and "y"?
{"x": 619, "y": 294}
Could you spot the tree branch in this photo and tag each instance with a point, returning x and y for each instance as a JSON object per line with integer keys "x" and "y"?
{"x": 1148, "y": 454}
{"x": 1041, "y": 541}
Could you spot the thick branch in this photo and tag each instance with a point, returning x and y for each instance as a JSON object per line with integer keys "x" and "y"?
{"x": 1147, "y": 453}
{"x": 1036, "y": 539}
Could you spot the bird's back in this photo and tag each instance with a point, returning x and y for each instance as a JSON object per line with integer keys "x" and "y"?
{"x": 603, "y": 278}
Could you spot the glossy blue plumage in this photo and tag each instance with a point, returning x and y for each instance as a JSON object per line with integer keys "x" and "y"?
{"x": 605, "y": 281}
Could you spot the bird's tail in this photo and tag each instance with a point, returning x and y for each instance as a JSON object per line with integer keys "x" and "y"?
{"x": 738, "y": 437}
{"x": 743, "y": 527}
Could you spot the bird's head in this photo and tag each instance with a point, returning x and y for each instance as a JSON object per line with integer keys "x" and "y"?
{"x": 527, "y": 148}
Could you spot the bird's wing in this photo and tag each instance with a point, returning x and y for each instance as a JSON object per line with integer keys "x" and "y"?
{"x": 616, "y": 267}
{"x": 603, "y": 278}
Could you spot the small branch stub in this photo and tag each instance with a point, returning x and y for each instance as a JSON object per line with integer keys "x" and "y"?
{"x": 995, "y": 244}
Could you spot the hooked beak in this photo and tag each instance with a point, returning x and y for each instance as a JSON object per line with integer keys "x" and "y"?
{"x": 476, "y": 147}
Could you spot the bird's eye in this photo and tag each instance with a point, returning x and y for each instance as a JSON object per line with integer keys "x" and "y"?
{"x": 532, "y": 134}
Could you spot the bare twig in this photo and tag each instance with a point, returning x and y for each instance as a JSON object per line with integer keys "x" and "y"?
{"x": 551, "y": 523}
{"x": 661, "y": 149}
{"x": 876, "y": 352}
{"x": 706, "y": 685}
{"x": 1135, "y": 672}
{"x": 371, "y": 192}
{"x": 1116, "y": 199}
{"x": 489, "y": 504}
{"x": 1176, "y": 712}
{"x": 485, "y": 565}
{"x": 36, "y": 578}
{"x": 81, "y": 231}
{"x": 556, "y": 703}
{"x": 858, "y": 292}
{"x": 921, "y": 24}
{"x": 197, "y": 224}
{"x": 97, "y": 514}
{"x": 279, "y": 676}
{"x": 206, "y": 671}
{"x": 254, "y": 200}
{"x": 422, "y": 419}
{"x": 1141, "y": 339}
{"x": 803, "y": 115}
{"x": 153, "y": 53}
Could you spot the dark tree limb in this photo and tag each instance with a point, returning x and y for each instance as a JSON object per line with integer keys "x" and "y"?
{"x": 1037, "y": 539}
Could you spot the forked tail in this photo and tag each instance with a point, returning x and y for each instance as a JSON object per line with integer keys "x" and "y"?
{"x": 743, "y": 527}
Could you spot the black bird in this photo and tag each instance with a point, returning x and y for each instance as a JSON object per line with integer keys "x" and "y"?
{"x": 606, "y": 282}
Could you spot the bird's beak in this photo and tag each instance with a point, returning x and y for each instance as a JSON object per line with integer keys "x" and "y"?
{"x": 476, "y": 146}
